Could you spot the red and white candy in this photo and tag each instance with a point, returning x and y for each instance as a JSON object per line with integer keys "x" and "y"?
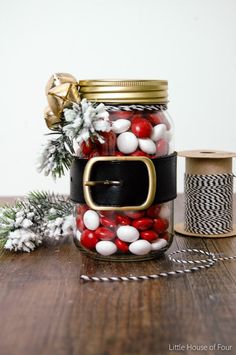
{"x": 106, "y": 248}
{"x": 159, "y": 244}
{"x": 142, "y": 223}
{"x": 168, "y": 135}
{"x": 135, "y": 214}
{"x": 103, "y": 233}
{"x": 149, "y": 235}
{"x": 121, "y": 125}
{"x": 122, "y": 231}
{"x": 108, "y": 222}
{"x": 123, "y": 247}
{"x": 88, "y": 239}
{"x": 159, "y": 132}
{"x": 160, "y": 225}
{"x": 127, "y": 142}
{"x": 123, "y": 220}
{"x": 127, "y": 234}
{"x": 164, "y": 211}
{"x": 147, "y": 145}
{"x": 91, "y": 220}
{"x": 137, "y": 232}
{"x": 162, "y": 148}
{"x": 140, "y": 247}
{"x": 141, "y": 127}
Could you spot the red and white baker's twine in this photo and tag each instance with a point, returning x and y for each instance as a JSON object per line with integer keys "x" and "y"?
{"x": 200, "y": 265}
{"x": 208, "y": 203}
{"x": 157, "y": 107}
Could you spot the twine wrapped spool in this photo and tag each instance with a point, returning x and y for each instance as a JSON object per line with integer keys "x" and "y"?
{"x": 208, "y": 195}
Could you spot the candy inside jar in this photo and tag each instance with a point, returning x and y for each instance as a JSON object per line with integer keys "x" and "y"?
{"x": 136, "y": 133}
{"x": 124, "y": 233}
{"x": 124, "y": 207}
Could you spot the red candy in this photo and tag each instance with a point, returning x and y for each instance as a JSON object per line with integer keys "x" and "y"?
{"x": 149, "y": 235}
{"x": 141, "y": 127}
{"x": 162, "y": 147}
{"x": 88, "y": 239}
{"x": 155, "y": 118}
{"x": 108, "y": 147}
{"x": 139, "y": 153}
{"x": 119, "y": 154}
{"x": 160, "y": 225}
{"x": 87, "y": 147}
{"x": 120, "y": 114}
{"x": 165, "y": 121}
{"x": 109, "y": 214}
{"x": 80, "y": 223}
{"x": 123, "y": 220}
{"x": 135, "y": 214}
{"x": 93, "y": 154}
{"x": 153, "y": 211}
{"x": 122, "y": 246}
{"x": 142, "y": 223}
{"x": 165, "y": 236}
{"x": 108, "y": 222}
{"x": 137, "y": 116}
{"x": 82, "y": 209}
{"x": 104, "y": 233}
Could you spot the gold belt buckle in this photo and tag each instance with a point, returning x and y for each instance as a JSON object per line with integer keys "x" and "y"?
{"x": 87, "y": 183}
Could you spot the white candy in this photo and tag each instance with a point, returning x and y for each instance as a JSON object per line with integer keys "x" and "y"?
{"x": 164, "y": 212}
{"x": 147, "y": 145}
{"x": 91, "y": 220}
{"x": 121, "y": 125}
{"x": 105, "y": 247}
{"x": 171, "y": 147}
{"x": 78, "y": 235}
{"x": 168, "y": 135}
{"x": 140, "y": 247}
{"x": 127, "y": 234}
{"x": 127, "y": 142}
{"x": 159, "y": 132}
{"x": 158, "y": 244}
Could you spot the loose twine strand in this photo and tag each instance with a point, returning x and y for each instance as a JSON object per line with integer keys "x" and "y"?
{"x": 198, "y": 266}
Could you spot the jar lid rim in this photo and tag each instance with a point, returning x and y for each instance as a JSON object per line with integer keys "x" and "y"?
{"x": 126, "y": 91}
{"x": 121, "y": 82}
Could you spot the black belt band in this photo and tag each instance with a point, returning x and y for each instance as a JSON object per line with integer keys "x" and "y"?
{"x": 134, "y": 180}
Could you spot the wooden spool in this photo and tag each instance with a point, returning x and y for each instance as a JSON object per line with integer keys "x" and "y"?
{"x": 206, "y": 162}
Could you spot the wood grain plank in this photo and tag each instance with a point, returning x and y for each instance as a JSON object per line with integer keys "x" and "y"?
{"x": 45, "y": 309}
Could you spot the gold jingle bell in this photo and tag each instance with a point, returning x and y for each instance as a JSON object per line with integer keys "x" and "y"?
{"x": 61, "y": 91}
{"x": 50, "y": 118}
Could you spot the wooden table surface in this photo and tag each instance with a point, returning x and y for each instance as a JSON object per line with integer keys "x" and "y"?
{"x": 46, "y": 310}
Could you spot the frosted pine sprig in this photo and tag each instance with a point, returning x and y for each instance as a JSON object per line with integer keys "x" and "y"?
{"x": 61, "y": 226}
{"x": 55, "y": 157}
{"x": 25, "y": 226}
{"x": 86, "y": 120}
{"x": 79, "y": 123}
{"x": 23, "y": 240}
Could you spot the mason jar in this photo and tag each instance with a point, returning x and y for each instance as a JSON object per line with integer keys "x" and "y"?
{"x": 124, "y": 188}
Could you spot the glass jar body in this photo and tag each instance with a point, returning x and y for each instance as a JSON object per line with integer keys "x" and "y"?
{"x": 130, "y": 235}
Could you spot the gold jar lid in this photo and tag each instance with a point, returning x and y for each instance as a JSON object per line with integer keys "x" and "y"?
{"x": 125, "y": 91}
